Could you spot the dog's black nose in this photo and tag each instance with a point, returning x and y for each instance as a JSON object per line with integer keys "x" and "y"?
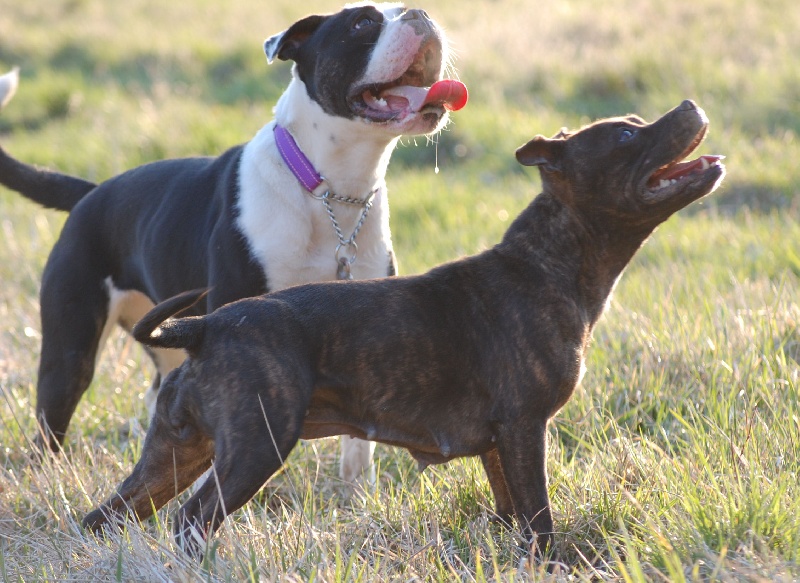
{"x": 687, "y": 105}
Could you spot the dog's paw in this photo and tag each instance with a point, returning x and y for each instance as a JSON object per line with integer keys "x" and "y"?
{"x": 505, "y": 519}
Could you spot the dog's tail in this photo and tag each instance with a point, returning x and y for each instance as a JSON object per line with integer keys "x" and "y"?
{"x": 187, "y": 333}
{"x": 49, "y": 189}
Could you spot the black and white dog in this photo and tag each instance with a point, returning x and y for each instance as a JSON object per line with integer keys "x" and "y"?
{"x": 243, "y": 223}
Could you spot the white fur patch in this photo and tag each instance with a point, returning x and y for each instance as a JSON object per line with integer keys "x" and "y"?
{"x": 288, "y": 231}
{"x": 394, "y": 52}
{"x": 126, "y": 307}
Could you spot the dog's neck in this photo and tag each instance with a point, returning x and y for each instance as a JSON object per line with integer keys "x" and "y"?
{"x": 575, "y": 252}
{"x": 349, "y": 154}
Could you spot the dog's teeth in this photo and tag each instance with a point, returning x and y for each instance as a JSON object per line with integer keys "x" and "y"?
{"x": 664, "y": 183}
{"x": 673, "y": 181}
{"x": 704, "y": 164}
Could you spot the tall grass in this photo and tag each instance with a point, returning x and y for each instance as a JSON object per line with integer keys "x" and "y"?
{"x": 678, "y": 457}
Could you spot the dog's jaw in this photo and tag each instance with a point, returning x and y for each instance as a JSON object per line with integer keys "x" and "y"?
{"x": 349, "y": 153}
{"x": 411, "y": 54}
{"x": 677, "y": 181}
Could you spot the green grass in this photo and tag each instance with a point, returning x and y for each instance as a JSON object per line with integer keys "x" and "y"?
{"x": 676, "y": 460}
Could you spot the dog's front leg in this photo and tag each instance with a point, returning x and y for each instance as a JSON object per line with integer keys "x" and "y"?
{"x": 247, "y": 455}
{"x": 356, "y": 460}
{"x": 522, "y": 453}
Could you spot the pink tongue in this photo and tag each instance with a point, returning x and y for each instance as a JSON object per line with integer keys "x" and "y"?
{"x": 451, "y": 94}
{"x": 684, "y": 168}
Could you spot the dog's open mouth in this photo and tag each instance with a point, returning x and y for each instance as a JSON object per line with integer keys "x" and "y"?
{"x": 397, "y": 101}
{"x": 680, "y": 170}
{"x": 416, "y": 91}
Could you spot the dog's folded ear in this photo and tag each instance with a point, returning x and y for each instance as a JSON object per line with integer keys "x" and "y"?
{"x": 542, "y": 152}
{"x": 152, "y": 330}
{"x": 284, "y": 45}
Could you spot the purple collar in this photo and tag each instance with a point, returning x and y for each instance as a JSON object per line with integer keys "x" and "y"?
{"x": 297, "y": 162}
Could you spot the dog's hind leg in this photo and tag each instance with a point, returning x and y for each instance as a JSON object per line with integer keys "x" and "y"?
{"x": 504, "y": 507}
{"x": 74, "y": 310}
{"x": 172, "y": 457}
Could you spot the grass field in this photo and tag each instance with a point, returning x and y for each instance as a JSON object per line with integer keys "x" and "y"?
{"x": 677, "y": 459}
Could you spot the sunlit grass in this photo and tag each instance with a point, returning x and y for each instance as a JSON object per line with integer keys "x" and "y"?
{"x": 678, "y": 457}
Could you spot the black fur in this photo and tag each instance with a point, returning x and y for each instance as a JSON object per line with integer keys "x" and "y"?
{"x": 49, "y": 189}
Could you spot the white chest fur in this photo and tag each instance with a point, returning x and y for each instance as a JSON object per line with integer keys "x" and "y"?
{"x": 290, "y": 233}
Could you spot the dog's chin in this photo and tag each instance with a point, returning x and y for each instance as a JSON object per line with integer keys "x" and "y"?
{"x": 684, "y": 180}
{"x": 428, "y": 120}
{"x": 419, "y": 123}
{"x": 688, "y": 189}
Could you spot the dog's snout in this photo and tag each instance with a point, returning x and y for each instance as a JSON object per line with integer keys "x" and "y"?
{"x": 690, "y": 107}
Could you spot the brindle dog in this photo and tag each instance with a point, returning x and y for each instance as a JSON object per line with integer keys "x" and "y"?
{"x": 470, "y": 359}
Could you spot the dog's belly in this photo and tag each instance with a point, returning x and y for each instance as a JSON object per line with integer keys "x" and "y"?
{"x": 429, "y": 441}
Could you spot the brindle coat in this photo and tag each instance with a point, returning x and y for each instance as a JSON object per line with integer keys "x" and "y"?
{"x": 470, "y": 359}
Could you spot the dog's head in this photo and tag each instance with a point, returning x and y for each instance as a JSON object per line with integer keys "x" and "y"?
{"x": 624, "y": 167}
{"x": 375, "y": 63}
{"x": 176, "y": 452}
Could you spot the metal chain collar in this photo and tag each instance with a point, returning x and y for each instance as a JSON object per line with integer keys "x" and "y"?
{"x": 344, "y": 262}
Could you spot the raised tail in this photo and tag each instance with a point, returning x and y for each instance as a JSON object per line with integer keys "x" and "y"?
{"x": 187, "y": 333}
{"x": 49, "y": 189}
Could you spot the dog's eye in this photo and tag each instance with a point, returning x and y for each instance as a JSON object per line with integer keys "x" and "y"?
{"x": 625, "y": 135}
{"x": 363, "y": 22}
